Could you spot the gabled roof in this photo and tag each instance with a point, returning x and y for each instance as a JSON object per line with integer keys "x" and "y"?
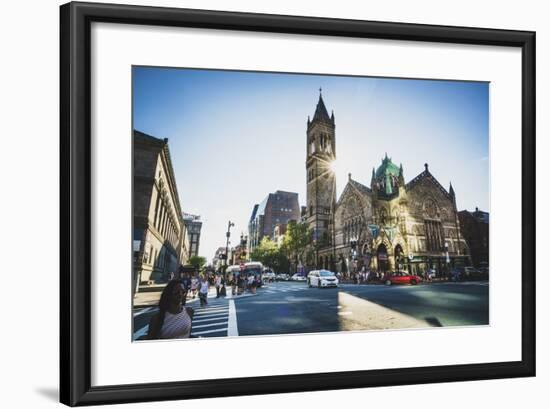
{"x": 426, "y": 175}
{"x": 352, "y": 184}
{"x": 359, "y": 186}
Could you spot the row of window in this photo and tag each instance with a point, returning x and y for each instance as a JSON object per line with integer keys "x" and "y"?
{"x": 163, "y": 221}
{"x": 353, "y": 229}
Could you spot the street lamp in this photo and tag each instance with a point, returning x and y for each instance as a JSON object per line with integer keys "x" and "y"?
{"x": 227, "y": 235}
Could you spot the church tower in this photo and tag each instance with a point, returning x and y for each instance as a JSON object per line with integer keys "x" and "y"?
{"x": 321, "y": 181}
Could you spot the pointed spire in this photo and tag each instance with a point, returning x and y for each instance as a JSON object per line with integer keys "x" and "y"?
{"x": 321, "y": 113}
{"x": 332, "y": 116}
{"x": 451, "y": 190}
{"x": 401, "y": 176}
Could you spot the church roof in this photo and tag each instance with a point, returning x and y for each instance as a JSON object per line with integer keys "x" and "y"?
{"x": 359, "y": 186}
{"x": 387, "y": 168}
{"x": 352, "y": 184}
{"x": 427, "y": 175}
{"x": 321, "y": 113}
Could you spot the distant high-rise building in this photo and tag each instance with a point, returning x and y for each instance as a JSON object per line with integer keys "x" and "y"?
{"x": 193, "y": 226}
{"x": 277, "y": 209}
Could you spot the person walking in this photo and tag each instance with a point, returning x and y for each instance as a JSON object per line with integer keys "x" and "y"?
{"x": 252, "y": 283}
{"x": 203, "y": 291}
{"x": 218, "y": 284}
{"x": 194, "y": 285}
{"x": 173, "y": 319}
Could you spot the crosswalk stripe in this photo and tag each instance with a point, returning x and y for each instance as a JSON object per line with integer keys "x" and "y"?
{"x": 209, "y": 331}
{"x": 225, "y": 307}
{"x": 212, "y": 325}
{"x": 221, "y": 317}
{"x": 140, "y": 332}
{"x": 218, "y": 314}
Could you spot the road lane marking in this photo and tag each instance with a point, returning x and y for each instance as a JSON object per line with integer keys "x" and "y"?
{"x": 232, "y": 330}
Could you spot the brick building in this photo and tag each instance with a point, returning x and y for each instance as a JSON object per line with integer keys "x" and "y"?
{"x": 475, "y": 229}
{"x": 277, "y": 209}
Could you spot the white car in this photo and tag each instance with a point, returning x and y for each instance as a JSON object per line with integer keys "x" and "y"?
{"x": 268, "y": 276}
{"x": 298, "y": 277}
{"x": 322, "y": 278}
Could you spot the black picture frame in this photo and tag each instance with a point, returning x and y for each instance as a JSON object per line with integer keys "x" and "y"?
{"x": 76, "y": 198}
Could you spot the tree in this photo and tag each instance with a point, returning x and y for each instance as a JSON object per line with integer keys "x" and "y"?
{"x": 297, "y": 241}
{"x": 270, "y": 255}
{"x": 197, "y": 262}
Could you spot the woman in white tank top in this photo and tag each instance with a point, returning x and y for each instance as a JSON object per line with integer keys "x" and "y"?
{"x": 173, "y": 320}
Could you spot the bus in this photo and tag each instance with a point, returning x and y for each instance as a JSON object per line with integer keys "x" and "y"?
{"x": 251, "y": 267}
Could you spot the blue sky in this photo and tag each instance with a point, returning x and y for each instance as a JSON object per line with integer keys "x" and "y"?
{"x": 236, "y": 136}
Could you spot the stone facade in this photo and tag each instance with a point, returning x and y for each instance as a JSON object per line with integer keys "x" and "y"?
{"x": 160, "y": 240}
{"x": 389, "y": 225}
{"x": 321, "y": 182}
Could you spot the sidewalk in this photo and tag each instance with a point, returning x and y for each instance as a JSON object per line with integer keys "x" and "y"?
{"x": 151, "y": 297}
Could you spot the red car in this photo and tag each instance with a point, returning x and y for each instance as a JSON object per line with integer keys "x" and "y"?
{"x": 400, "y": 277}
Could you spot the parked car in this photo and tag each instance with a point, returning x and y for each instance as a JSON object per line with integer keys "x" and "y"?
{"x": 298, "y": 277}
{"x": 467, "y": 273}
{"x": 401, "y": 277}
{"x": 282, "y": 277}
{"x": 268, "y": 276}
{"x": 322, "y": 278}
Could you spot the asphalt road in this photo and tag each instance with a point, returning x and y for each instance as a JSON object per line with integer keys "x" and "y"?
{"x": 292, "y": 307}
{"x": 285, "y": 308}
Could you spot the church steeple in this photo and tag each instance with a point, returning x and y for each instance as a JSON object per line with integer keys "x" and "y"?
{"x": 321, "y": 113}
{"x": 321, "y": 180}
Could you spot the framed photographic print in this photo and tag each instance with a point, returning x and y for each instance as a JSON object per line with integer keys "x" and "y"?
{"x": 269, "y": 204}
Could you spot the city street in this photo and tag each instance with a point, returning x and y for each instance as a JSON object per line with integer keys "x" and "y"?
{"x": 292, "y": 307}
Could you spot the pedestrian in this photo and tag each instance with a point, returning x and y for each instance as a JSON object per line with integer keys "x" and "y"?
{"x": 233, "y": 284}
{"x": 218, "y": 284}
{"x": 185, "y": 282}
{"x": 203, "y": 291}
{"x": 194, "y": 286}
{"x": 252, "y": 283}
{"x": 173, "y": 319}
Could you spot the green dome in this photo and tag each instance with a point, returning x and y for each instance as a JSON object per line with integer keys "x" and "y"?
{"x": 387, "y": 168}
{"x": 387, "y": 177}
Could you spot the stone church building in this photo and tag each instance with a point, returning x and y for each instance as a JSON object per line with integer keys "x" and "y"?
{"x": 387, "y": 225}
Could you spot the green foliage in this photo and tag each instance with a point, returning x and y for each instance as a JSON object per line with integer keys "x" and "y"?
{"x": 197, "y": 261}
{"x": 297, "y": 241}
{"x": 270, "y": 255}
